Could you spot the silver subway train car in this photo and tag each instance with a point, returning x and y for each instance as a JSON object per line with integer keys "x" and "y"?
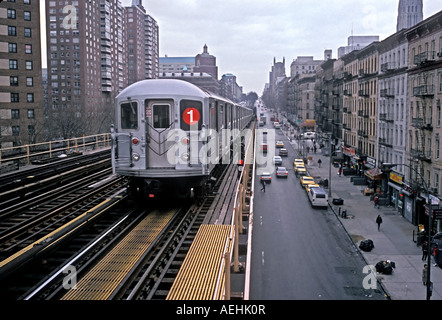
{"x": 169, "y": 135}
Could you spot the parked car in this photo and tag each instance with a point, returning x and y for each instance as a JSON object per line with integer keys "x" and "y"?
{"x": 300, "y": 170}
{"x": 309, "y": 186}
{"x": 318, "y": 197}
{"x": 306, "y": 180}
{"x": 281, "y": 172}
{"x": 277, "y": 160}
{"x": 298, "y": 161}
{"x": 283, "y": 152}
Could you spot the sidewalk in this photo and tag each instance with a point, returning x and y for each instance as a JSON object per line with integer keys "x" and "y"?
{"x": 393, "y": 242}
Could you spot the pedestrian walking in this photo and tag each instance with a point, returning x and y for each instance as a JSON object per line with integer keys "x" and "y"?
{"x": 340, "y": 170}
{"x": 376, "y": 201}
{"x": 425, "y": 274}
{"x": 314, "y": 148}
{"x": 263, "y": 185}
{"x": 435, "y": 254}
{"x": 319, "y": 163}
{"x": 425, "y": 250}
{"x": 379, "y": 221}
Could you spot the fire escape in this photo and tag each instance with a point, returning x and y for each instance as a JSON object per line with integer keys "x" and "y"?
{"x": 420, "y": 152}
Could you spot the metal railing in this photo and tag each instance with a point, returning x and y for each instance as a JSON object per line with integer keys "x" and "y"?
{"x": 48, "y": 150}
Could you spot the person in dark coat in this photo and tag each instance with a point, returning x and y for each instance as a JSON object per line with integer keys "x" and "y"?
{"x": 379, "y": 221}
{"x": 425, "y": 274}
{"x": 263, "y": 185}
{"x": 425, "y": 250}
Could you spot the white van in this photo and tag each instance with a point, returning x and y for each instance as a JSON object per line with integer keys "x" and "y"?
{"x": 318, "y": 197}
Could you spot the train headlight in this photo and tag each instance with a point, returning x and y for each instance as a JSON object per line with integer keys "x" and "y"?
{"x": 185, "y": 157}
{"x": 135, "y": 156}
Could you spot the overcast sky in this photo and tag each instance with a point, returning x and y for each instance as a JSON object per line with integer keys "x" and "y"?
{"x": 246, "y": 35}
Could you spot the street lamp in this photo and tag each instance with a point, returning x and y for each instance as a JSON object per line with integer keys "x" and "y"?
{"x": 387, "y": 167}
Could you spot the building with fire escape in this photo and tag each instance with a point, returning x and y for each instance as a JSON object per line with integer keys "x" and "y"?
{"x": 424, "y": 99}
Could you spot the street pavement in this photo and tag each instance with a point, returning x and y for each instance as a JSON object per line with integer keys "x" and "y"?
{"x": 393, "y": 242}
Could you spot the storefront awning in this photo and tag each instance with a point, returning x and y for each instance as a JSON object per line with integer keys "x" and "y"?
{"x": 374, "y": 174}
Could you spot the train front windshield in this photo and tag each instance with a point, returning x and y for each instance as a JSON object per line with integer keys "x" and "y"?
{"x": 129, "y": 115}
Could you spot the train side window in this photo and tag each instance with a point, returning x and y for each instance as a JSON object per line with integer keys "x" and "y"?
{"x": 129, "y": 115}
{"x": 161, "y": 116}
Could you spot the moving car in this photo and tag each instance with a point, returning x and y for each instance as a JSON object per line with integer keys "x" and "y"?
{"x": 283, "y": 152}
{"x": 279, "y": 144}
{"x": 308, "y": 135}
{"x": 281, "y": 172}
{"x": 306, "y": 180}
{"x": 277, "y": 160}
{"x": 266, "y": 177}
{"x": 298, "y": 161}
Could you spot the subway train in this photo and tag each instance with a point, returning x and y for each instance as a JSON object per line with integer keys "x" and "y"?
{"x": 169, "y": 135}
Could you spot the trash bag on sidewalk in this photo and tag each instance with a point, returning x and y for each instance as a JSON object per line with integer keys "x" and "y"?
{"x": 338, "y": 201}
{"x": 366, "y": 245}
{"x": 385, "y": 267}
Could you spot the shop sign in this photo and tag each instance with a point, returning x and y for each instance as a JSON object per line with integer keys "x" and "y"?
{"x": 349, "y": 151}
{"x": 396, "y": 178}
{"x": 436, "y": 212}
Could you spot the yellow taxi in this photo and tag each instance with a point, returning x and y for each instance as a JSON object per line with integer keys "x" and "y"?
{"x": 306, "y": 180}
{"x": 309, "y": 186}
{"x": 279, "y": 144}
{"x": 298, "y": 161}
{"x": 300, "y": 170}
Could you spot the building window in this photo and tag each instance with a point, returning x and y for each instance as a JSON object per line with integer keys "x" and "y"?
{"x": 30, "y": 97}
{"x": 15, "y": 131}
{"x": 31, "y": 114}
{"x": 29, "y": 81}
{"x": 29, "y": 65}
{"x": 13, "y": 64}
{"x": 31, "y": 130}
{"x": 27, "y": 16}
{"x": 28, "y": 48}
{"x": 11, "y": 14}
{"x": 12, "y": 31}
{"x": 28, "y": 33}
{"x": 12, "y": 47}
{"x": 15, "y": 114}
{"x": 13, "y": 81}
{"x": 15, "y": 97}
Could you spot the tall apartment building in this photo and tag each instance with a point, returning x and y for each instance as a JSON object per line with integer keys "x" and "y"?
{"x": 87, "y": 58}
{"x": 142, "y": 44}
{"x": 424, "y": 103}
{"x": 21, "y": 94}
{"x": 152, "y": 35}
{"x": 368, "y": 100}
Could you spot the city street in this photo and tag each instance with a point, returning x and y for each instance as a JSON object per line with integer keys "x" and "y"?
{"x": 300, "y": 252}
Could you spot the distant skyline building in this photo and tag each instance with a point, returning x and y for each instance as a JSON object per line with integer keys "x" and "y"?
{"x": 410, "y": 13}
{"x": 205, "y": 62}
{"x": 304, "y": 65}
{"x": 356, "y": 43}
